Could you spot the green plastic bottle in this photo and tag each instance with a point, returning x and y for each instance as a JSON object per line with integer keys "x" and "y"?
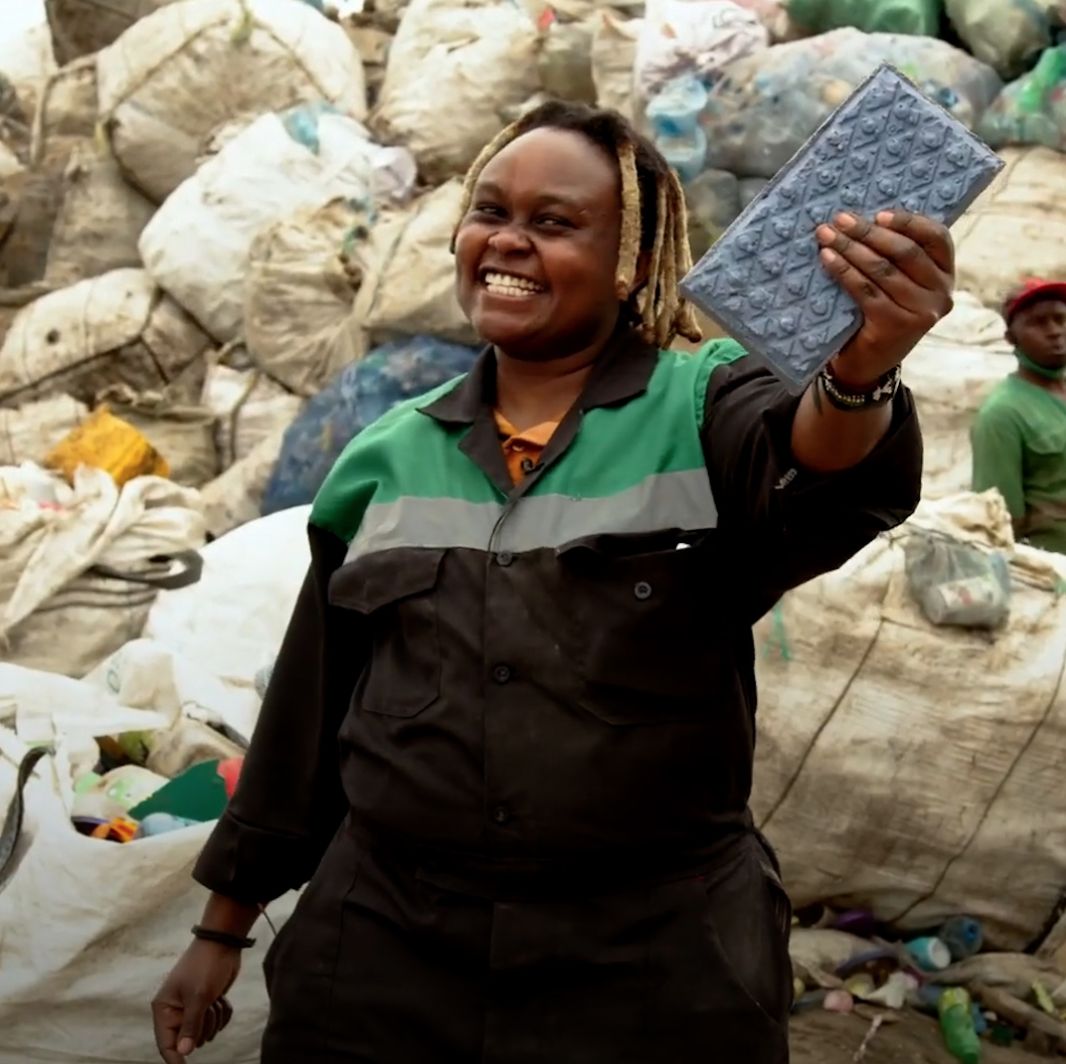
{"x": 1045, "y": 77}
{"x": 956, "y": 1024}
{"x": 915, "y": 17}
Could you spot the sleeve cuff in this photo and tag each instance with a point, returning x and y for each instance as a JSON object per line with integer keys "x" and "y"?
{"x": 250, "y": 865}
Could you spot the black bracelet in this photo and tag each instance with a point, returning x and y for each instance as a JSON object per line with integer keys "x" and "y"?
{"x": 882, "y": 393}
{"x": 223, "y": 938}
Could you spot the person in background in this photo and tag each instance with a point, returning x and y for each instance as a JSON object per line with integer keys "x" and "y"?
{"x": 509, "y": 736}
{"x": 1019, "y": 437}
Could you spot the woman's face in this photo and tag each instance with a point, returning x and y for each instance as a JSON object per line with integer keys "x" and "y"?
{"x": 537, "y": 253}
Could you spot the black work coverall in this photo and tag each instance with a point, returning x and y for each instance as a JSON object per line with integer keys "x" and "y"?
{"x": 433, "y": 931}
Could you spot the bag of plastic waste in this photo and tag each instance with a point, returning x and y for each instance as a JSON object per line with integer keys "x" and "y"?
{"x": 82, "y": 563}
{"x": 918, "y": 17}
{"x": 454, "y": 70}
{"x": 934, "y": 750}
{"x": 303, "y": 276}
{"x": 175, "y": 76}
{"x": 1017, "y": 229}
{"x": 1031, "y": 110}
{"x": 118, "y": 328}
{"x": 356, "y": 398}
{"x": 765, "y": 106}
{"x": 957, "y": 583}
{"x": 265, "y": 173}
{"x": 1008, "y": 35}
{"x": 697, "y": 37}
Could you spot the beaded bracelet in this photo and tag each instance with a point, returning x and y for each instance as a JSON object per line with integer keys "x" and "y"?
{"x": 843, "y": 399}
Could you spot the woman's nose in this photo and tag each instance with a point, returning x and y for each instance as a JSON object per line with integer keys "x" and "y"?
{"x": 509, "y": 239}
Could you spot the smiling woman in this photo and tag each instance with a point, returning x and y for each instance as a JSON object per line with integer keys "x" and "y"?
{"x": 509, "y": 737}
{"x": 624, "y": 201}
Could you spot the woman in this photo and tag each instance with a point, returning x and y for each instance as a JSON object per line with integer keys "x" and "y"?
{"x": 509, "y": 736}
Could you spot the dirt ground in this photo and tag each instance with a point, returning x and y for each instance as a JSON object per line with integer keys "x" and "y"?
{"x": 824, "y": 1038}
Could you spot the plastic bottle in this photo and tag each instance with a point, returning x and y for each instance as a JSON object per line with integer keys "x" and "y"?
{"x": 963, "y": 935}
{"x": 674, "y": 114}
{"x": 956, "y": 1024}
{"x": 930, "y": 954}
{"x": 674, "y": 111}
{"x": 161, "y": 824}
{"x": 687, "y": 154}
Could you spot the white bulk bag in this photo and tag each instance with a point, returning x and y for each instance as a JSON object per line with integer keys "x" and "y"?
{"x": 65, "y": 603}
{"x": 915, "y": 770}
{"x": 85, "y": 921}
{"x": 409, "y": 285}
{"x": 30, "y": 432}
{"x": 114, "y": 329}
{"x": 232, "y": 621}
{"x": 1017, "y": 229}
{"x": 303, "y": 276}
{"x": 197, "y": 246}
{"x": 454, "y": 70}
{"x": 193, "y": 66}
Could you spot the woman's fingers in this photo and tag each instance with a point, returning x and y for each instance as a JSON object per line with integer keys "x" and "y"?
{"x": 210, "y": 1027}
{"x": 166, "y": 1018}
{"x": 931, "y": 236}
{"x": 856, "y": 283}
{"x": 227, "y": 1013}
{"x": 895, "y": 264}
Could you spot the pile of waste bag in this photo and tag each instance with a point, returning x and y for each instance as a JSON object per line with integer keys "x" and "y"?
{"x": 225, "y": 233}
{"x": 316, "y": 154}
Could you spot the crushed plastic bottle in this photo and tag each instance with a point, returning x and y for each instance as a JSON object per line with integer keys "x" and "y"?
{"x": 963, "y": 935}
{"x": 957, "y": 1026}
{"x": 1031, "y": 110}
{"x": 674, "y": 117}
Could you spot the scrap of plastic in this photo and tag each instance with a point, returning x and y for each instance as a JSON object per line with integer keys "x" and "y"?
{"x": 887, "y": 147}
{"x": 957, "y": 583}
{"x": 1031, "y": 110}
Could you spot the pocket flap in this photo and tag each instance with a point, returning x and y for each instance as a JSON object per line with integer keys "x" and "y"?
{"x": 607, "y": 547}
{"x": 376, "y": 580}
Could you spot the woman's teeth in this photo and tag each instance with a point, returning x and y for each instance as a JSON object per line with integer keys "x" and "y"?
{"x": 504, "y": 284}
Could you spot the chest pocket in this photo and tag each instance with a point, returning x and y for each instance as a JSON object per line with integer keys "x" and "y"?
{"x": 396, "y": 592}
{"x": 640, "y": 626}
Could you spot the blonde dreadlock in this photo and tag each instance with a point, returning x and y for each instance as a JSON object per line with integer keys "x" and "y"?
{"x": 650, "y": 189}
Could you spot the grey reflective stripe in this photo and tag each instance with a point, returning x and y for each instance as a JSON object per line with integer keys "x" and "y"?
{"x": 663, "y": 500}
{"x": 413, "y": 521}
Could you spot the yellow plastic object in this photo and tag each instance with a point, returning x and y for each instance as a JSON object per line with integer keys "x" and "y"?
{"x": 109, "y": 443}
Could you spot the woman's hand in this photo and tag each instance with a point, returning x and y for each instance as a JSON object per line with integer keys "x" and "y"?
{"x": 190, "y": 1008}
{"x": 900, "y": 270}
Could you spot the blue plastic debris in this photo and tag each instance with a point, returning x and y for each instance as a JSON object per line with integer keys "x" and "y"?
{"x": 886, "y": 147}
{"x": 356, "y": 397}
{"x": 301, "y": 122}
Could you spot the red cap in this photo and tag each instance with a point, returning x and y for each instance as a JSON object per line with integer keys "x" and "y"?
{"x": 1030, "y": 291}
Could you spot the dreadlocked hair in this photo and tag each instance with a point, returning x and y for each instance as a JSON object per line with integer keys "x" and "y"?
{"x": 654, "y": 217}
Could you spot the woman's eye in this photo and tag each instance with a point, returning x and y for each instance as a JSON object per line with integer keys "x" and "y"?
{"x": 551, "y": 221}
{"x": 488, "y": 210}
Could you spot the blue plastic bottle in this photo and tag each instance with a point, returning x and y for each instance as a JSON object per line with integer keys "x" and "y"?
{"x": 674, "y": 114}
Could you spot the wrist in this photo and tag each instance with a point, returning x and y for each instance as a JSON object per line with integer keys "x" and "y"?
{"x": 224, "y": 939}
{"x": 851, "y": 379}
{"x": 856, "y": 398}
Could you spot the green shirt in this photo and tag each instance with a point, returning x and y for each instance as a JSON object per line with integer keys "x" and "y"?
{"x": 1019, "y": 447}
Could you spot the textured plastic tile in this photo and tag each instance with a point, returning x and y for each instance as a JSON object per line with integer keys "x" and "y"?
{"x": 887, "y": 146}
